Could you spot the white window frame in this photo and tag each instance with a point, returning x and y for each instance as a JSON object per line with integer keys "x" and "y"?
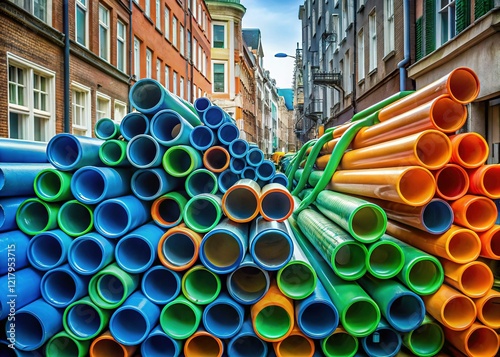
{"x": 182, "y": 47}
{"x": 361, "y": 55}
{"x": 167, "y": 23}
{"x": 29, "y": 6}
{"x": 137, "y": 58}
{"x": 28, "y": 111}
{"x": 389, "y": 26}
{"x": 167, "y": 77}
{"x": 84, "y": 8}
{"x": 224, "y": 25}
{"x": 86, "y": 128}
{"x": 372, "y": 39}
{"x": 181, "y": 87}
{"x": 104, "y": 24}
{"x": 147, "y": 8}
{"x": 158, "y": 14}
{"x": 106, "y": 113}
{"x": 174, "y": 82}
{"x": 347, "y": 72}
{"x": 158, "y": 69}
{"x": 195, "y": 53}
{"x": 123, "y": 41}
{"x": 226, "y": 89}
{"x": 149, "y": 63}
{"x": 174, "y": 31}
{"x": 445, "y": 22}
{"x": 120, "y": 110}
{"x": 188, "y": 96}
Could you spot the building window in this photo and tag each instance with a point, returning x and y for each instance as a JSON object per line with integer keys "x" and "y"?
{"x": 38, "y": 8}
{"x": 103, "y": 33}
{"x": 120, "y": 111}
{"x": 336, "y": 27}
{"x": 219, "y": 35}
{"x": 445, "y": 21}
{"x": 174, "y": 82}
{"x": 347, "y": 73}
{"x": 103, "y": 106}
{"x": 195, "y": 53}
{"x": 200, "y": 59}
{"x": 194, "y": 92}
{"x": 345, "y": 20}
{"x": 361, "y": 55}
{"x": 167, "y": 23}
{"x": 81, "y": 22}
{"x": 167, "y": 77}
{"x": 181, "y": 40}
{"x": 372, "y": 25}
{"x": 181, "y": 87}
{"x": 149, "y": 62}
{"x": 219, "y": 78}
{"x": 121, "y": 50}
{"x": 158, "y": 69}
{"x": 158, "y": 14}
{"x": 147, "y": 8}
{"x": 137, "y": 58}
{"x": 188, "y": 90}
{"x": 174, "y": 31}
{"x": 388, "y": 26}
{"x": 81, "y": 121}
{"x": 31, "y": 98}
{"x": 189, "y": 46}
{"x": 205, "y": 64}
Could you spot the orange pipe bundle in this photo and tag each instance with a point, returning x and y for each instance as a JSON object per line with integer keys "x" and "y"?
{"x": 469, "y": 150}
{"x": 451, "y": 308}
{"x": 458, "y": 244}
{"x": 488, "y": 311}
{"x": 240, "y": 202}
{"x": 461, "y": 84}
{"x": 452, "y": 182}
{"x": 202, "y": 343}
{"x": 329, "y": 146}
{"x": 430, "y": 149}
{"x": 476, "y": 341}
{"x": 485, "y": 181}
{"x": 411, "y": 185}
{"x": 474, "y": 279}
{"x": 442, "y": 114}
{"x": 296, "y": 344}
{"x": 179, "y": 247}
{"x": 490, "y": 243}
{"x": 105, "y": 345}
{"x": 477, "y": 213}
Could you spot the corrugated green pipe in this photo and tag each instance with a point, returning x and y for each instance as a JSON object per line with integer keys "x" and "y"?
{"x": 314, "y": 177}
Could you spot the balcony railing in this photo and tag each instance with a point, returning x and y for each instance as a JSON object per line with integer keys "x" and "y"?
{"x": 330, "y": 79}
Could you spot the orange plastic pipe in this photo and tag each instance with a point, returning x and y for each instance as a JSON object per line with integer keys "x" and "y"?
{"x": 451, "y": 308}
{"x": 485, "y": 181}
{"x": 296, "y": 344}
{"x": 452, "y": 182}
{"x": 338, "y": 131}
{"x": 322, "y": 161}
{"x": 273, "y": 315}
{"x": 329, "y": 146}
{"x": 442, "y": 114}
{"x": 461, "y": 84}
{"x": 179, "y": 247}
{"x": 105, "y": 345}
{"x": 490, "y": 243}
{"x": 488, "y": 310}
{"x": 275, "y": 202}
{"x": 321, "y": 130}
{"x": 477, "y": 341}
{"x": 240, "y": 202}
{"x": 411, "y": 185}
{"x": 469, "y": 150}
{"x": 216, "y": 159}
{"x": 458, "y": 244}
{"x": 202, "y": 343}
{"x": 475, "y": 212}
{"x": 430, "y": 149}
{"x": 474, "y": 279}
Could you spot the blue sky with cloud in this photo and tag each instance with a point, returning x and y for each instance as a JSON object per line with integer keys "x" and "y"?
{"x": 281, "y": 30}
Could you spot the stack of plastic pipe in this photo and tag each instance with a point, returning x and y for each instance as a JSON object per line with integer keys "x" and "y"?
{"x": 164, "y": 235}
{"x": 439, "y": 195}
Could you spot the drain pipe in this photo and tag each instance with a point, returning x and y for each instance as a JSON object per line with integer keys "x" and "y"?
{"x": 66, "y": 66}
{"x": 130, "y": 51}
{"x": 406, "y": 60}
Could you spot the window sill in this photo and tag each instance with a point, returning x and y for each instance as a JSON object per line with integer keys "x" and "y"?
{"x": 361, "y": 81}
{"x": 149, "y": 19}
{"x": 389, "y": 55}
{"x": 372, "y": 72}
{"x": 158, "y": 30}
{"x": 349, "y": 27}
{"x": 361, "y": 8}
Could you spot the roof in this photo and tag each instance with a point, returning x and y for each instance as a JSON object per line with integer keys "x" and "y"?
{"x": 287, "y": 93}
{"x": 252, "y": 38}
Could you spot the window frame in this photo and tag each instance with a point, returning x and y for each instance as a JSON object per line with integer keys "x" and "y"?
{"x": 224, "y": 28}
{"x": 389, "y": 27}
{"x": 373, "y": 41}
{"x": 149, "y": 63}
{"x": 175, "y": 22}
{"x": 85, "y": 9}
{"x": 137, "y": 58}
{"x": 86, "y": 128}
{"x": 107, "y": 113}
{"x": 361, "y": 55}
{"x": 106, "y": 27}
{"x": 167, "y": 77}
{"x": 224, "y": 64}
{"x": 166, "y": 15}
{"x": 123, "y": 41}
{"x": 158, "y": 14}
{"x": 120, "y": 104}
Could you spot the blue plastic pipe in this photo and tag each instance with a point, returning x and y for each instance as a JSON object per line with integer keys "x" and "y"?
{"x": 16, "y": 150}
{"x": 68, "y": 152}
{"x": 92, "y": 185}
{"x": 280, "y": 178}
{"x": 266, "y": 170}
{"x": 134, "y": 124}
{"x": 254, "y": 156}
{"x": 316, "y": 315}
{"x": 202, "y": 137}
{"x": 115, "y": 217}
{"x": 62, "y": 286}
{"x": 238, "y": 148}
{"x": 201, "y": 105}
{"x": 223, "y": 317}
{"x": 226, "y": 179}
{"x": 237, "y": 165}
{"x": 246, "y": 343}
{"x": 18, "y": 289}
{"x": 159, "y": 344}
{"x": 136, "y": 252}
{"x": 16, "y": 243}
{"x": 249, "y": 173}
{"x": 384, "y": 342}
{"x": 8, "y": 209}
{"x": 270, "y": 244}
{"x": 132, "y": 322}
{"x": 90, "y": 253}
{"x": 160, "y": 284}
{"x": 214, "y": 117}
{"x": 169, "y": 128}
{"x": 35, "y": 324}
{"x": 144, "y": 152}
{"x": 248, "y": 283}
{"x": 227, "y": 133}
{"x": 106, "y": 129}
{"x": 201, "y": 181}
{"x": 223, "y": 248}
{"x": 49, "y": 249}
{"x": 149, "y": 184}
{"x": 16, "y": 179}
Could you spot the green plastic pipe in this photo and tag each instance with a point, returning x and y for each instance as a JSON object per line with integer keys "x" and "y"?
{"x": 52, "y": 185}
{"x": 200, "y": 285}
{"x": 203, "y": 212}
{"x": 365, "y": 221}
{"x": 83, "y": 320}
{"x": 340, "y": 344}
{"x": 345, "y": 255}
{"x": 422, "y": 273}
{"x": 297, "y": 279}
{"x": 75, "y": 218}
{"x": 297, "y": 160}
{"x": 180, "y": 318}
{"x": 385, "y": 259}
{"x": 114, "y": 153}
{"x": 426, "y": 340}
{"x": 63, "y": 345}
{"x": 359, "y": 314}
{"x": 181, "y": 160}
{"x": 35, "y": 216}
{"x": 167, "y": 210}
{"x": 314, "y": 177}
{"x": 111, "y": 286}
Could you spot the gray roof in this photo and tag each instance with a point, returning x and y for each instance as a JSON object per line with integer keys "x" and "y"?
{"x": 252, "y": 38}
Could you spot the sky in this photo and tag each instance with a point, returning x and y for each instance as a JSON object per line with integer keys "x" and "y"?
{"x": 280, "y": 29}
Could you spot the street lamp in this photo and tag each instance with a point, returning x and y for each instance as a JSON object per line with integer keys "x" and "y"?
{"x": 282, "y": 55}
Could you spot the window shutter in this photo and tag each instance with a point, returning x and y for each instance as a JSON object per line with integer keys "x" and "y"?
{"x": 462, "y": 15}
{"x": 430, "y": 26}
{"x": 418, "y": 39}
{"x": 481, "y": 7}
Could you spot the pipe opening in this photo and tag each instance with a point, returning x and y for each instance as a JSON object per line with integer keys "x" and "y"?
{"x": 179, "y": 161}
{"x": 160, "y": 285}
{"x": 214, "y": 116}
{"x": 112, "y": 152}
{"x": 158, "y": 345}
{"x": 105, "y": 127}
{"x": 226, "y": 180}
{"x": 202, "y": 137}
{"x": 255, "y": 157}
{"x": 134, "y": 254}
{"x": 296, "y": 345}
{"x": 45, "y": 251}
{"x": 464, "y": 246}
{"x": 169, "y": 211}
{"x": 146, "y": 184}
{"x": 86, "y": 255}
{"x": 463, "y": 85}
{"x": 222, "y": 320}
{"x": 110, "y": 288}
{"x": 385, "y": 260}
{"x": 437, "y": 216}
{"x": 495, "y": 244}
{"x": 89, "y": 184}
{"x": 424, "y": 276}
{"x": 241, "y": 203}
{"x": 247, "y": 346}
{"x": 48, "y": 184}
{"x": 112, "y": 218}
{"x": 459, "y": 312}
{"x": 222, "y": 249}
{"x": 349, "y": 260}
{"x": 83, "y": 320}
{"x": 237, "y": 165}
{"x": 34, "y": 216}
{"x": 59, "y": 287}
{"x": 361, "y": 317}
{"x": 201, "y": 213}
{"x": 143, "y": 151}
{"x": 296, "y": 280}
{"x": 481, "y": 214}
{"x": 64, "y": 151}
{"x": 340, "y": 344}
{"x": 482, "y": 341}
{"x": 427, "y": 339}
{"x": 406, "y": 312}
{"x": 368, "y": 223}
{"x": 433, "y": 150}
{"x": 448, "y": 115}
{"x": 276, "y": 205}
{"x": 491, "y": 312}
{"x": 318, "y": 318}
{"x": 248, "y": 284}
{"x": 202, "y": 103}
{"x": 216, "y": 159}
{"x": 167, "y": 126}
{"x": 201, "y": 181}
{"x": 387, "y": 343}
{"x": 201, "y": 286}
{"x": 476, "y": 280}
{"x": 29, "y": 330}
{"x": 491, "y": 181}
{"x": 204, "y": 345}
{"x": 61, "y": 346}
{"x": 129, "y": 325}
{"x": 179, "y": 320}
{"x": 452, "y": 182}
{"x": 107, "y": 347}
{"x": 472, "y": 150}
{"x": 134, "y": 124}
{"x": 75, "y": 218}
{"x": 228, "y": 132}
{"x": 249, "y": 173}
{"x": 238, "y": 147}
{"x": 417, "y": 177}
{"x": 146, "y": 95}
{"x": 266, "y": 170}
{"x": 272, "y": 322}
{"x": 272, "y": 249}
{"x": 179, "y": 249}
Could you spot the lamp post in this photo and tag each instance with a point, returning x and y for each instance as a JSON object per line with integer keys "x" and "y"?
{"x": 283, "y": 55}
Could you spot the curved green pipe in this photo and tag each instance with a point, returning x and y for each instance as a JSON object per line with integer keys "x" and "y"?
{"x": 377, "y": 106}
{"x": 297, "y": 160}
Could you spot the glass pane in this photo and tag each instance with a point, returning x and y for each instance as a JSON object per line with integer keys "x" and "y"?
{"x": 103, "y": 40}
{"x": 12, "y": 93}
{"x": 218, "y": 36}
{"x": 36, "y": 100}
{"x": 20, "y": 76}
{"x": 80, "y": 26}
{"x": 40, "y": 129}
{"x": 14, "y": 125}
{"x": 120, "y": 63}
{"x": 43, "y": 101}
